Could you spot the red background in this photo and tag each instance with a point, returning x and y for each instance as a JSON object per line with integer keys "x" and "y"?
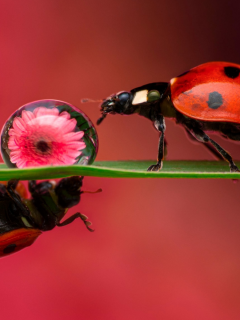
{"x": 162, "y": 249}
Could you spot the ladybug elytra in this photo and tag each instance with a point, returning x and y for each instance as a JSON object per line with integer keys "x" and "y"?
{"x": 203, "y": 99}
{"x": 22, "y": 220}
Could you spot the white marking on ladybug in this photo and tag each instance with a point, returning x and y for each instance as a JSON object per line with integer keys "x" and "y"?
{"x": 172, "y": 81}
{"x": 140, "y": 97}
{"x": 27, "y": 224}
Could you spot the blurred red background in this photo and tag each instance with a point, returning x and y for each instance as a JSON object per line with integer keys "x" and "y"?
{"x": 162, "y": 249}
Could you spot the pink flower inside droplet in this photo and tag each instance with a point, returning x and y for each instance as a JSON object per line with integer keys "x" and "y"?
{"x": 44, "y": 137}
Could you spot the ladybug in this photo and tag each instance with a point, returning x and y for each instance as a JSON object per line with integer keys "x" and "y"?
{"x": 204, "y": 99}
{"x": 23, "y": 220}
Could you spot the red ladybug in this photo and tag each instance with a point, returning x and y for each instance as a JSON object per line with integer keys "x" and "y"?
{"x": 205, "y": 98}
{"x": 23, "y": 220}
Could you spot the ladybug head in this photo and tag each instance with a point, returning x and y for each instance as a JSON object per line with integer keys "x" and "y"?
{"x": 116, "y": 103}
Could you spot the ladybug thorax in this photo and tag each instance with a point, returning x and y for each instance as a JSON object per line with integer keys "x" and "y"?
{"x": 152, "y": 102}
{"x": 143, "y": 96}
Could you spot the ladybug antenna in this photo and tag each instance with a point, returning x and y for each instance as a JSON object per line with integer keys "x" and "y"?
{"x": 97, "y": 191}
{"x": 101, "y": 119}
{"x": 91, "y": 100}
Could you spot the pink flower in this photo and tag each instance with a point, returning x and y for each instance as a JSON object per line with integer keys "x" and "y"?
{"x": 44, "y": 137}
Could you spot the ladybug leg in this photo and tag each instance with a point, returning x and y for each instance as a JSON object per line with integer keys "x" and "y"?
{"x": 165, "y": 147}
{"x": 203, "y": 137}
{"x": 213, "y": 151}
{"x": 14, "y": 196}
{"x": 75, "y": 216}
{"x": 225, "y": 155}
{"x": 159, "y": 124}
{"x": 32, "y": 185}
{"x": 210, "y": 148}
{"x": 12, "y": 184}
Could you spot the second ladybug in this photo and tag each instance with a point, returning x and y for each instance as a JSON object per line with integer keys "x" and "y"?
{"x": 23, "y": 220}
{"x": 203, "y": 99}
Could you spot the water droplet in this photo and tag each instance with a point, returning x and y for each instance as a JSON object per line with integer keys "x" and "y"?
{"x": 48, "y": 132}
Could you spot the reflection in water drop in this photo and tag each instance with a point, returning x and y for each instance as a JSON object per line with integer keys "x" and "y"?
{"x": 48, "y": 132}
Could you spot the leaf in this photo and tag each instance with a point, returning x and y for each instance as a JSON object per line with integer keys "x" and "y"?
{"x": 125, "y": 169}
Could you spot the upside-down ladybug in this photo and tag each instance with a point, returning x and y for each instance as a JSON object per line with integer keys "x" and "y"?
{"x": 23, "y": 220}
{"x": 205, "y": 98}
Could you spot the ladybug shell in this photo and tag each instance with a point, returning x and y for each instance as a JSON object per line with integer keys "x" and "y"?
{"x": 13, "y": 241}
{"x": 209, "y": 92}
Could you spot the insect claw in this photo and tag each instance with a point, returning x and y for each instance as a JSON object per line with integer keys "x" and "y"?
{"x": 83, "y": 217}
{"x": 101, "y": 119}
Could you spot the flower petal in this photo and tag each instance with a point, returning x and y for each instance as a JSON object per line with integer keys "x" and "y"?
{"x": 65, "y": 158}
{"x": 43, "y": 111}
{"x": 27, "y": 116}
{"x": 65, "y": 114}
{"x": 77, "y": 145}
{"x": 73, "y": 153}
{"x": 18, "y": 126}
{"x": 69, "y": 126}
{"x": 21, "y": 163}
{"x": 73, "y": 136}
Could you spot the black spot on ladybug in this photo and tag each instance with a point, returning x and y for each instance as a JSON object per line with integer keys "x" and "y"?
{"x": 215, "y": 100}
{"x": 232, "y": 72}
{"x": 183, "y": 74}
{"x": 10, "y": 248}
